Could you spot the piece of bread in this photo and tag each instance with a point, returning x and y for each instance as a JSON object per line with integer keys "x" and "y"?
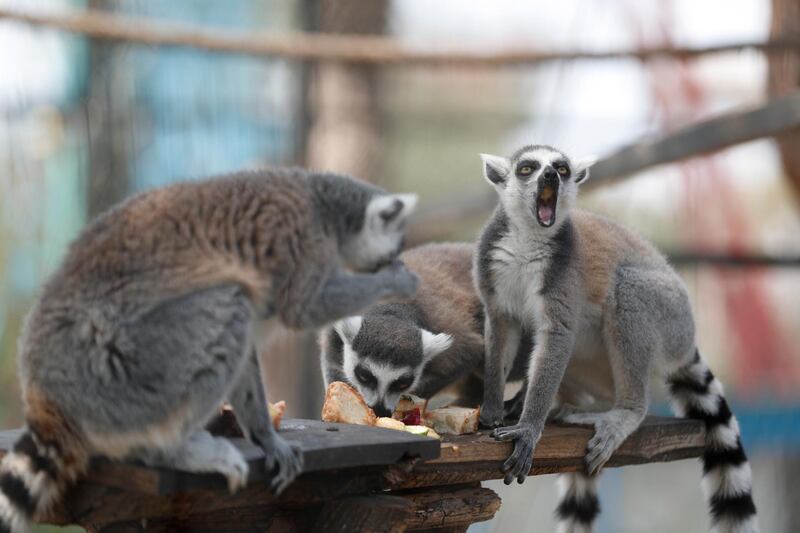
{"x": 276, "y": 411}
{"x": 452, "y": 420}
{"x": 344, "y": 404}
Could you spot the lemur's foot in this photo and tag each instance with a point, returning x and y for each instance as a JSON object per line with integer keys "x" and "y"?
{"x": 284, "y": 461}
{"x": 231, "y": 464}
{"x": 491, "y": 417}
{"x": 607, "y": 438}
{"x": 519, "y": 463}
{"x": 201, "y": 452}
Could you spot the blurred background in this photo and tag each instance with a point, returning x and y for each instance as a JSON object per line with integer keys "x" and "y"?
{"x": 85, "y": 122}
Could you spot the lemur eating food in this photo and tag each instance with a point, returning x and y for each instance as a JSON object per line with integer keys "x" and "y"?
{"x": 419, "y": 346}
{"x": 149, "y": 323}
{"x": 608, "y": 305}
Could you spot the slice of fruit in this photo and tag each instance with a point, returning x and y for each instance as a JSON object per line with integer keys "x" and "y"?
{"x": 418, "y": 430}
{"x": 452, "y": 420}
{"x": 276, "y": 411}
{"x": 344, "y": 404}
{"x": 433, "y": 434}
{"x": 407, "y": 403}
{"x": 413, "y": 417}
{"x": 390, "y": 423}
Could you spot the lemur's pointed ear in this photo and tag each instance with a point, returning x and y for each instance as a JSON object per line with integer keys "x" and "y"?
{"x": 580, "y": 167}
{"x": 348, "y": 328}
{"x": 434, "y": 343}
{"x": 392, "y": 208}
{"x": 495, "y": 168}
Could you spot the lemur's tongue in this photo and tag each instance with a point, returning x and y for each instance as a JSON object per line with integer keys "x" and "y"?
{"x": 546, "y": 213}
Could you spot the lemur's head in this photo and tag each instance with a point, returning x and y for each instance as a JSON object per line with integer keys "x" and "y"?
{"x": 384, "y": 356}
{"x": 370, "y": 223}
{"x": 537, "y": 183}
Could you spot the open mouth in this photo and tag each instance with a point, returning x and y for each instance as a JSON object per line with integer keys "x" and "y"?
{"x": 546, "y": 199}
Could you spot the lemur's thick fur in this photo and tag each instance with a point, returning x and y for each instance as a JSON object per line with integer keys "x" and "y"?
{"x": 608, "y": 310}
{"x": 148, "y": 324}
{"x": 390, "y": 336}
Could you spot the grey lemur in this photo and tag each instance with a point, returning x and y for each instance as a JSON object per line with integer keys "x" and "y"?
{"x": 149, "y": 322}
{"x": 420, "y": 346}
{"x": 607, "y": 310}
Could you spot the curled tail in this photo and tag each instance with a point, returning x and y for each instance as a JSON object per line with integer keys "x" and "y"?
{"x": 578, "y": 506}
{"x": 727, "y": 483}
{"x": 42, "y": 463}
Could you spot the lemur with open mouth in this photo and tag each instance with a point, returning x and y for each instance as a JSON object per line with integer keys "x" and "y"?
{"x": 150, "y": 323}
{"x": 607, "y": 310}
{"x": 423, "y": 345}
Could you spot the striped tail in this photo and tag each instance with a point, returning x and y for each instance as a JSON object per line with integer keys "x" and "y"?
{"x": 34, "y": 474}
{"x": 579, "y": 506}
{"x": 727, "y": 483}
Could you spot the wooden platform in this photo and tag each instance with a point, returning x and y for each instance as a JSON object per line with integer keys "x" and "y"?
{"x": 355, "y": 478}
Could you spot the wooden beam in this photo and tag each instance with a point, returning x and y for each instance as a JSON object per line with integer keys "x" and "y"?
{"x": 772, "y": 118}
{"x": 452, "y": 506}
{"x": 124, "y": 492}
{"x": 350, "y": 49}
{"x": 781, "y": 114}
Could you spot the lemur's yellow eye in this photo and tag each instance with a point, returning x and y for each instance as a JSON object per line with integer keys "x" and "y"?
{"x": 562, "y": 170}
{"x": 527, "y": 169}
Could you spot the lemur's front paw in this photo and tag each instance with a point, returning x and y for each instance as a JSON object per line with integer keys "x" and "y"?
{"x": 519, "y": 463}
{"x": 402, "y": 281}
{"x": 491, "y": 417}
{"x": 284, "y": 462}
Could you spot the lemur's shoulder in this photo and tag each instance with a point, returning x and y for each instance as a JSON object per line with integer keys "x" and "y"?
{"x": 603, "y": 246}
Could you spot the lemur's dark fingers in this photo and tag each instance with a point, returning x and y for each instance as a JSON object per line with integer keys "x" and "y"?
{"x": 507, "y": 433}
{"x": 598, "y": 452}
{"x": 520, "y": 461}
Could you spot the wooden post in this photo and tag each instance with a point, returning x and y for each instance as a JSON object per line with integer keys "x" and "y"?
{"x": 784, "y": 77}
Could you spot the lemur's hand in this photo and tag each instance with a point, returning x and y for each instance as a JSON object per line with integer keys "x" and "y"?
{"x": 401, "y": 282}
{"x": 519, "y": 463}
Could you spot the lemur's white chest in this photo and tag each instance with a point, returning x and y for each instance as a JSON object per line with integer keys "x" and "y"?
{"x": 518, "y": 272}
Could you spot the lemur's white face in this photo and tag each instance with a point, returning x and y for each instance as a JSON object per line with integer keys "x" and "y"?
{"x": 381, "y": 238}
{"x": 382, "y": 367}
{"x": 538, "y": 184}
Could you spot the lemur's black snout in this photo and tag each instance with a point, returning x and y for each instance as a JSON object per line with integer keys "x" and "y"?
{"x": 550, "y": 173}
{"x": 380, "y": 410}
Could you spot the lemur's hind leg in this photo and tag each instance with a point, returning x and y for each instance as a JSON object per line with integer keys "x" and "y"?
{"x": 201, "y": 452}
{"x": 631, "y": 334}
{"x": 250, "y": 406}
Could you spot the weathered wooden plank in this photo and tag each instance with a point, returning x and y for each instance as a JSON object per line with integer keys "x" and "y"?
{"x": 324, "y": 446}
{"x": 121, "y": 493}
{"x": 446, "y": 507}
{"x": 367, "y": 514}
{"x": 470, "y": 458}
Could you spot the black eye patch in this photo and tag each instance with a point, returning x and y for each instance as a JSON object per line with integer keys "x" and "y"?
{"x": 562, "y": 168}
{"x": 402, "y": 383}
{"x": 365, "y": 377}
{"x": 526, "y": 168}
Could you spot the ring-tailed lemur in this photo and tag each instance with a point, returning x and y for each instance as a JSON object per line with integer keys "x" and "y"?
{"x": 148, "y": 323}
{"x": 607, "y": 303}
{"x": 423, "y": 345}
